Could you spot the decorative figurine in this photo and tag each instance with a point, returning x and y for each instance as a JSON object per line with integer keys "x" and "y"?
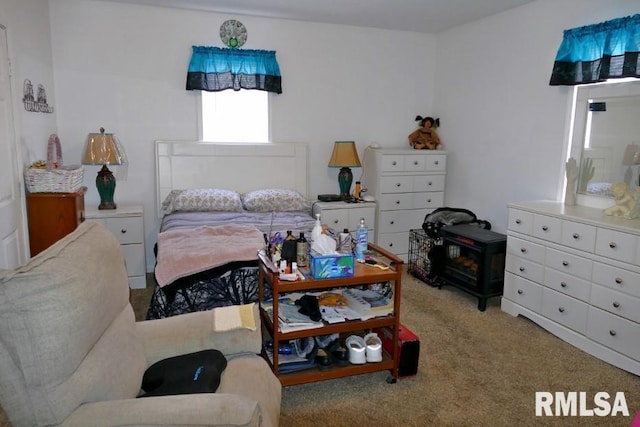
{"x": 625, "y": 201}
{"x": 571, "y": 169}
{"x": 426, "y": 137}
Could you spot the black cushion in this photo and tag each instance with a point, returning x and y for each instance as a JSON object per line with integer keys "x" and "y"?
{"x": 197, "y": 372}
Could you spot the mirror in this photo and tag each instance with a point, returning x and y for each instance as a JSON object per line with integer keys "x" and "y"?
{"x": 606, "y": 139}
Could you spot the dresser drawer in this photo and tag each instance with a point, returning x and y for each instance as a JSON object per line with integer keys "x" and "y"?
{"x": 525, "y": 268}
{"x": 392, "y": 163}
{"x": 520, "y": 221}
{"x": 616, "y": 245}
{"x": 428, "y": 200}
{"x": 398, "y": 221}
{"x": 428, "y": 183}
{"x": 614, "y": 332}
{"x": 398, "y": 243}
{"x": 396, "y": 184}
{"x": 565, "y": 310}
{"x": 578, "y": 236}
{"x": 396, "y": 201}
{"x": 567, "y": 284}
{"x": 616, "y": 278}
{"x": 338, "y": 219}
{"x": 568, "y": 263}
{"x": 523, "y": 292}
{"x": 435, "y": 163}
{"x": 616, "y": 302}
{"x": 525, "y": 249}
{"x": 127, "y": 229}
{"x": 547, "y": 228}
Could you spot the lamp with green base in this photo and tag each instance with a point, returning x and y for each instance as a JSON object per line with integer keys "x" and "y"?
{"x": 104, "y": 149}
{"x": 344, "y": 156}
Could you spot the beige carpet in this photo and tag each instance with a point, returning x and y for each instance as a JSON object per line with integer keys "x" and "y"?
{"x": 476, "y": 369}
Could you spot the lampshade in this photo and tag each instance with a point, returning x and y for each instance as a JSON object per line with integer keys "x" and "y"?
{"x": 344, "y": 155}
{"x": 104, "y": 149}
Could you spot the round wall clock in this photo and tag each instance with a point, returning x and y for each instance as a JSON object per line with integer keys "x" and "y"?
{"x": 233, "y": 33}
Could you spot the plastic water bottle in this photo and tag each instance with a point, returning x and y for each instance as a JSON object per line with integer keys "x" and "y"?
{"x": 362, "y": 239}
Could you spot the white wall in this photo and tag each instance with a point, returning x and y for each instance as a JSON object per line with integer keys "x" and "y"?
{"x": 124, "y": 67}
{"x": 504, "y": 126}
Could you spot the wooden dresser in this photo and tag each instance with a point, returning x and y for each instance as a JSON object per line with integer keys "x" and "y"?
{"x": 576, "y": 272}
{"x": 407, "y": 184}
{"x": 52, "y": 216}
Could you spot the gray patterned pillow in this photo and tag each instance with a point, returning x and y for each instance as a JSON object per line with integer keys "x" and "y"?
{"x": 202, "y": 199}
{"x": 274, "y": 200}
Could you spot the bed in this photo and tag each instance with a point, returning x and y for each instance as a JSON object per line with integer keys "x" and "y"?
{"x": 216, "y": 205}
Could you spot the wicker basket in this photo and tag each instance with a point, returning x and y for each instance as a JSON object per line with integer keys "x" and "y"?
{"x": 55, "y": 178}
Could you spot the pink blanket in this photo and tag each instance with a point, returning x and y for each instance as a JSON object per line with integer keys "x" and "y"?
{"x": 183, "y": 252}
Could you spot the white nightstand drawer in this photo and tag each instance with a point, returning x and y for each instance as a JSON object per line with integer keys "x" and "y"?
{"x": 135, "y": 259}
{"x": 565, "y": 310}
{"x": 338, "y": 219}
{"x": 127, "y": 230}
{"x": 614, "y": 332}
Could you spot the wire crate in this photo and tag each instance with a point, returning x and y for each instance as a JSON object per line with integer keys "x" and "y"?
{"x": 419, "y": 246}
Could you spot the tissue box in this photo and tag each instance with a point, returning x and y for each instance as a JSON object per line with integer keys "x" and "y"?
{"x": 331, "y": 266}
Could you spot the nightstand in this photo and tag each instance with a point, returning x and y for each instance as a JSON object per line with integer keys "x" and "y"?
{"x": 341, "y": 215}
{"x": 127, "y": 224}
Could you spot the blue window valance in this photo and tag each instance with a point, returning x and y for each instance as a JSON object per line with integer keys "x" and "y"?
{"x": 215, "y": 69}
{"x": 595, "y": 53}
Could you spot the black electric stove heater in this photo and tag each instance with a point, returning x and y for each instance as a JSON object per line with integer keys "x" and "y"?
{"x": 474, "y": 261}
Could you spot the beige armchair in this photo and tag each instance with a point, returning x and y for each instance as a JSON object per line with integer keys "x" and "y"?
{"x": 71, "y": 353}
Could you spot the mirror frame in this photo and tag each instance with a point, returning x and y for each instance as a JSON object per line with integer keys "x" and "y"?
{"x": 580, "y": 108}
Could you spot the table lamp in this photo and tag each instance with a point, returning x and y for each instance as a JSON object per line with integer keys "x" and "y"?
{"x": 344, "y": 156}
{"x": 104, "y": 149}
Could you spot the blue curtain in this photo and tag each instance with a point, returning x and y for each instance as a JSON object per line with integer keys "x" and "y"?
{"x": 595, "y": 53}
{"x": 216, "y": 69}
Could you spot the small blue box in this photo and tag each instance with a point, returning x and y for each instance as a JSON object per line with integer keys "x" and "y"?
{"x": 331, "y": 266}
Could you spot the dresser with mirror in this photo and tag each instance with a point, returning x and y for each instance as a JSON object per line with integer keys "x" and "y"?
{"x": 572, "y": 269}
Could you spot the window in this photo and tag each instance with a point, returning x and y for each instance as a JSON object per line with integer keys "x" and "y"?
{"x": 235, "y": 116}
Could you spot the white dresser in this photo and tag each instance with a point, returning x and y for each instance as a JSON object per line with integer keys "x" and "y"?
{"x": 407, "y": 184}
{"x": 127, "y": 224}
{"x": 576, "y": 272}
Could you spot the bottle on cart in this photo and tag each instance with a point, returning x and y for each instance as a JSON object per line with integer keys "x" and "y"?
{"x": 302, "y": 251}
{"x": 289, "y": 248}
{"x": 362, "y": 239}
{"x": 345, "y": 246}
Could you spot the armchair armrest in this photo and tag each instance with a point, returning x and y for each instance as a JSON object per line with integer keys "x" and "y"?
{"x": 188, "y": 333}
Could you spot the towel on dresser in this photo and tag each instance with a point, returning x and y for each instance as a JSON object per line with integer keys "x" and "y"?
{"x": 183, "y": 252}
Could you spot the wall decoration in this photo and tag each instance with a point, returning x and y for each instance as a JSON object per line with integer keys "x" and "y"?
{"x": 233, "y": 33}
{"x": 36, "y": 104}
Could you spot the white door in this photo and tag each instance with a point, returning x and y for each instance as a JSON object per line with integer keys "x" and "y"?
{"x": 12, "y": 250}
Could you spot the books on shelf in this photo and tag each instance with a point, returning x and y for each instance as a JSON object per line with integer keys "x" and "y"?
{"x": 367, "y": 303}
{"x": 289, "y": 318}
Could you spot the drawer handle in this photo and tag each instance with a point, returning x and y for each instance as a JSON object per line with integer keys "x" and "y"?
{"x": 616, "y": 304}
{"x": 394, "y": 163}
{"x": 576, "y": 236}
{"x": 612, "y": 333}
{"x": 398, "y": 185}
{"x": 392, "y": 222}
{"x": 390, "y": 245}
{"x": 397, "y": 202}
{"x": 518, "y": 221}
{"x": 561, "y": 309}
{"x": 415, "y": 163}
{"x": 436, "y": 162}
{"x": 565, "y": 263}
{"x": 522, "y": 269}
{"x": 618, "y": 280}
{"x": 428, "y": 200}
{"x": 520, "y": 292}
{"x": 523, "y": 250}
{"x": 123, "y": 231}
{"x": 335, "y": 221}
{"x": 545, "y": 228}
{"x": 612, "y": 245}
{"x": 563, "y": 285}
{"x": 429, "y": 183}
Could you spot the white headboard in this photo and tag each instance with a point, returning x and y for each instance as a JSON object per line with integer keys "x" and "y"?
{"x": 241, "y": 167}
